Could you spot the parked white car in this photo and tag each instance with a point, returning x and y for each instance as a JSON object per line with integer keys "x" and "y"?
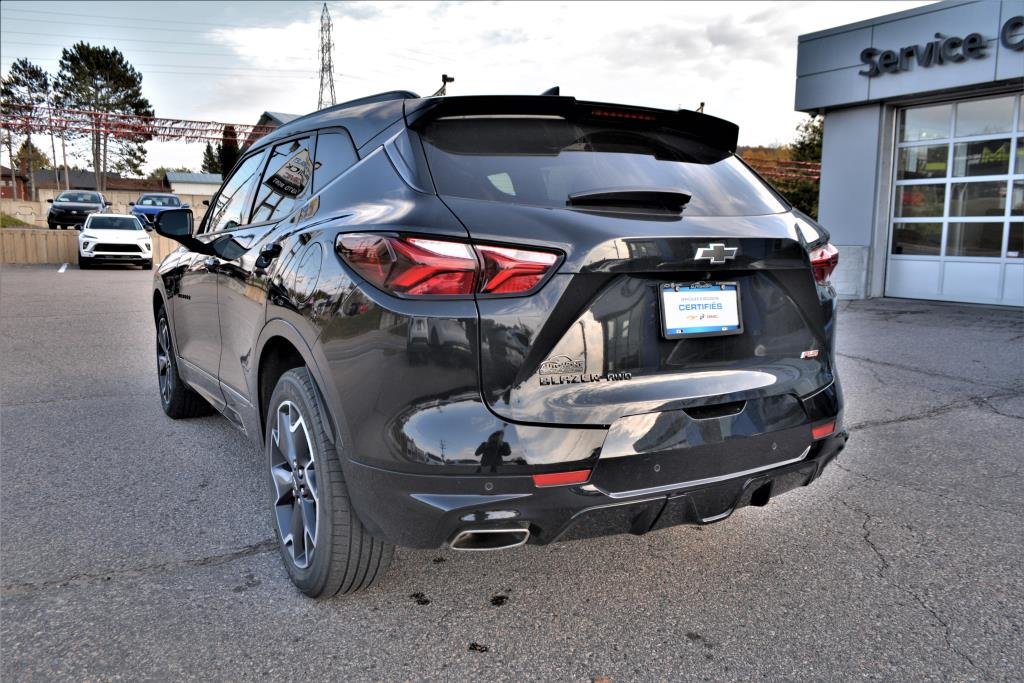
{"x": 114, "y": 238}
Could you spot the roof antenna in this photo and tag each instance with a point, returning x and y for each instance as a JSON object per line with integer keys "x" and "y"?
{"x": 551, "y": 92}
{"x": 443, "y": 90}
{"x": 700, "y": 109}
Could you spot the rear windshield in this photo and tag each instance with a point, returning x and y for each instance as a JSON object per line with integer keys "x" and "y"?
{"x": 79, "y": 197}
{"x": 115, "y": 223}
{"x": 158, "y": 200}
{"x": 542, "y": 160}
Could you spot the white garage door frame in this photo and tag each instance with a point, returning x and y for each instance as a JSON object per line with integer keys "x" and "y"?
{"x": 933, "y": 269}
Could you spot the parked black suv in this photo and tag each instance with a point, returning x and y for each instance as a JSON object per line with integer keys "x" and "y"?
{"x": 482, "y": 321}
{"x": 71, "y": 207}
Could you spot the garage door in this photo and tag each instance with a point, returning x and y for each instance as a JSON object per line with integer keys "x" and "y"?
{"x": 958, "y": 203}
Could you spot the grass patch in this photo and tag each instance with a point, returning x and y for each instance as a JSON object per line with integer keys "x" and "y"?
{"x": 9, "y": 221}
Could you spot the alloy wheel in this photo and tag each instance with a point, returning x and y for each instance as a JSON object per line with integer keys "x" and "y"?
{"x": 163, "y": 360}
{"x": 296, "y": 494}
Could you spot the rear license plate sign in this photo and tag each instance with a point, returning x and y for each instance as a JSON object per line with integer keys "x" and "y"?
{"x": 701, "y": 309}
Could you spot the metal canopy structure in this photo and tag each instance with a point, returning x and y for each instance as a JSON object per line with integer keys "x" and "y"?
{"x": 61, "y": 121}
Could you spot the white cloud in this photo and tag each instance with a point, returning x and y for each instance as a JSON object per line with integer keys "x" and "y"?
{"x": 739, "y": 58}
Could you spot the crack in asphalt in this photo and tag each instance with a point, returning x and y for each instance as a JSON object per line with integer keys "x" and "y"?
{"x": 930, "y": 493}
{"x": 882, "y": 572}
{"x": 86, "y": 578}
{"x": 919, "y": 371}
{"x": 981, "y": 402}
{"x": 986, "y": 401}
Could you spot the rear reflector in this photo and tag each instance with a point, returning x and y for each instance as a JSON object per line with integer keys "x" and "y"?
{"x": 415, "y": 266}
{"x": 561, "y": 478}
{"x": 824, "y": 260}
{"x": 823, "y": 430}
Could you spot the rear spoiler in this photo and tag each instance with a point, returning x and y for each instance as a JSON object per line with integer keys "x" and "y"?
{"x": 712, "y": 131}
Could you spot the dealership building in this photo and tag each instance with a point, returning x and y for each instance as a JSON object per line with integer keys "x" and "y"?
{"x": 922, "y": 176}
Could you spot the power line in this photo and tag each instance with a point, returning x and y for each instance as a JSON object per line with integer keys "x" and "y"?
{"x": 106, "y": 25}
{"x": 117, "y": 38}
{"x": 213, "y": 72}
{"x": 139, "y": 19}
{"x": 165, "y": 52}
{"x": 212, "y": 67}
{"x": 148, "y": 25}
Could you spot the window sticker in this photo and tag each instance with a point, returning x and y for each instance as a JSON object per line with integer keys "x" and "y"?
{"x": 291, "y": 179}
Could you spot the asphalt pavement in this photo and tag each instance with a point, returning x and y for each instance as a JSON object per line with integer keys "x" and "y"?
{"x": 137, "y": 547}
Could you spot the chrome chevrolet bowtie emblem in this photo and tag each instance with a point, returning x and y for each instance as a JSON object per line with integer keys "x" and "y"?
{"x": 716, "y": 252}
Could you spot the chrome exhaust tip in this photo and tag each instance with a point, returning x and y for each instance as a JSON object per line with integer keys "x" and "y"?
{"x": 489, "y": 539}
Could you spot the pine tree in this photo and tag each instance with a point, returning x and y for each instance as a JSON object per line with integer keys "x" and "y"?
{"x": 211, "y": 159}
{"x": 228, "y": 151}
{"x": 807, "y": 145}
{"x": 22, "y": 93}
{"x": 28, "y": 155}
{"x": 100, "y": 80}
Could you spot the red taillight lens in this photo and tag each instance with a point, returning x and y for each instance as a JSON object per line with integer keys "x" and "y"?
{"x": 823, "y": 430}
{"x": 508, "y": 271}
{"x": 824, "y": 260}
{"x": 561, "y": 478}
{"x": 415, "y": 266}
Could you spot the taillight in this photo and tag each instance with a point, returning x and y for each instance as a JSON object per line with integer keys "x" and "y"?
{"x": 509, "y": 271}
{"x": 418, "y": 266}
{"x": 824, "y": 260}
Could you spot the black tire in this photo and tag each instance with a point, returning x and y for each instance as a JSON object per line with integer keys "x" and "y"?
{"x": 147, "y": 265}
{"x": 176, "y": 398}
{"x": 344, "y": 557}
{"x": 83, "y": 263}
{"x": 53, "y": 226}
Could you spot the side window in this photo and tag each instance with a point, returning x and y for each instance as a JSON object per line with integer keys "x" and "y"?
{"x": 285, "y": 180}
{"x": 231, "y": 208}
{"x": 335, "y": 153}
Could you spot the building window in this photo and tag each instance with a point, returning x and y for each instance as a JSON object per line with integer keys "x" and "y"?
{"x": 959, "y": 181}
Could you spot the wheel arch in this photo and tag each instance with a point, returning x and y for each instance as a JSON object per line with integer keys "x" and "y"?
{"x": 280, "y": 349}
{"x": 158, "y": 303}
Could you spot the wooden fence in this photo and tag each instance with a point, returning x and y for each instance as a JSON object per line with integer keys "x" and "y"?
{"x": 40, "y": 245}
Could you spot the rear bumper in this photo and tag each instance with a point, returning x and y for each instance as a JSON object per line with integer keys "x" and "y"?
{"x": 427, "y": 511}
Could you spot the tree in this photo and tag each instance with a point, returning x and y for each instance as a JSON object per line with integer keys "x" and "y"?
{"x": 27, "y": 153}
{"x": 23, "y": 93}
{"x": 159, "y": 172}
{"x": 211, "y": 159}
{"x": 228, "y": 149}
{"x": 99, "y": 80}
{"x": 129, "y": 157}
{"x": 807, "y": 145}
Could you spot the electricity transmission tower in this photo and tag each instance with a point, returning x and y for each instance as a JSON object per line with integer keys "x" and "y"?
{"x": 326, "y": 61}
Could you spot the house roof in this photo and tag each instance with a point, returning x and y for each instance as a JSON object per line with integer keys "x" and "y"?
{"x": 207, "y": 178}
{"x": 86, "y": 180}
{"x": 6, "y": 173}
{"x": 276, "y": 118}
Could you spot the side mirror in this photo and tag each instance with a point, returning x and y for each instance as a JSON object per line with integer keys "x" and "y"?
{"x": 206, "y": 202}
{"x": 131, "y": 203}
{"x": 184, "y": 206}
{"x": 107, "y": 204}
{"x": 49, "y": 201}
{"x": 79, "y": 227}
{"x": 174, "y": 223}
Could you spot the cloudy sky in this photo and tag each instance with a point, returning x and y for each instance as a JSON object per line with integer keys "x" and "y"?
{"x": 230, "y": 61}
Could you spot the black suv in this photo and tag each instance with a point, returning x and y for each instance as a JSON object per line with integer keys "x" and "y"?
{"x": 482, "y": 321}
{"x": 71, "y": 208}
